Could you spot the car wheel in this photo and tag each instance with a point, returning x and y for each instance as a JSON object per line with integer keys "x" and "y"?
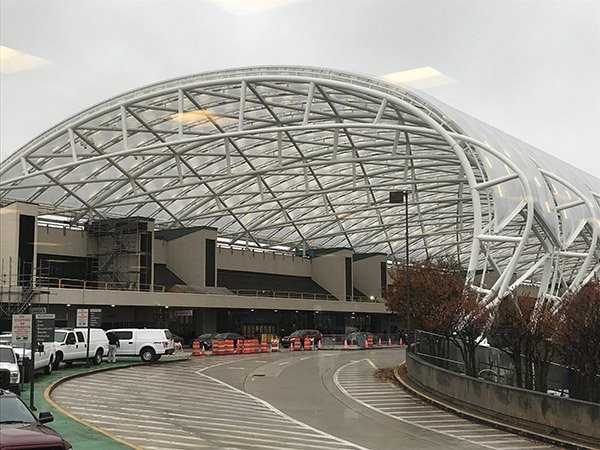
{"x": 157, "y": 357}
{"x": 97, "y": 359}
{"x": 48, "y": 368}
{"x": 147, "y": 354}
{"x": 57, "y": 360}
{"x": 68, "y": 363}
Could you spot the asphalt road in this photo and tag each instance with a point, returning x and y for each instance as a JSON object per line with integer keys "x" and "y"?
{"x": 300, "y": 400}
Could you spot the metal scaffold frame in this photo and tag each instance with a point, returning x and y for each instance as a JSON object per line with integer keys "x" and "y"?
{"x": 301, "y": 158}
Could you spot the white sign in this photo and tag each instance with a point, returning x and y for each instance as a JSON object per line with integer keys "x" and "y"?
{"x": 82, "y": 318}
{"x": 21, "y": 328}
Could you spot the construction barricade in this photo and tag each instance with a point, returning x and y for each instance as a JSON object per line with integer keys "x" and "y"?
{"x": 251, "y": 346}
{"x": 216, "y": 348}
{"x": 307, "y": 344}
{"x": 195, "y": 348}
{"x": 228, "y": 347}
{"x": 275, "y": 345}
{"x": 369, "y": 342}
{"x": 297, "y": 344}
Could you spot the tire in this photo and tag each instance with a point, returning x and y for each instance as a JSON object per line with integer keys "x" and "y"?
{"x": 57, "y": 360}
{"x": 48, "y": 368}
{"x": 147, "y": 354}
{"x": 68, "y": 363}
{"x": 157, "y": 357}
{"x": 97, "y": 358}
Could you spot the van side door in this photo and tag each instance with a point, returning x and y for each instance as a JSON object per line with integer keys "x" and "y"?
{"x": 126, "y": 344}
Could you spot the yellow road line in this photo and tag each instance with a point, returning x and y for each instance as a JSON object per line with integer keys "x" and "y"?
{"x": 480, "y": 418}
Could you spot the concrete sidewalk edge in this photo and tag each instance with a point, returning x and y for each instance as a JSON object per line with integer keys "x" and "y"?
{"x": 487, "y": 421}
{"x": 56, "y": 383}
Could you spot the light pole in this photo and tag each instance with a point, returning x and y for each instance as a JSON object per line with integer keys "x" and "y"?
{"x": 402, "y": 197}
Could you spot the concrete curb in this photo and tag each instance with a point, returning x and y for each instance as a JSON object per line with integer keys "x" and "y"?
{"x": 56, "y": 383}
{"x": 486, "y": 421}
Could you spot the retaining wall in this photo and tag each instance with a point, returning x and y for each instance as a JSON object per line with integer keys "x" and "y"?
{"x": 564, "y": 414}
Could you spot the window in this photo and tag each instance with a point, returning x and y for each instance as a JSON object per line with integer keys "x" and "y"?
{"x": 80, "y": 337}
{"x": 124, "y": 335}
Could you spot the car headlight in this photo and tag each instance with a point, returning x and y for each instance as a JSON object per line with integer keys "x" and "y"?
{"x": 14, "y": 376}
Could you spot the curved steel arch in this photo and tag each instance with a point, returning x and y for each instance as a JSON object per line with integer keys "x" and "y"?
{"x": 304, "y": 158}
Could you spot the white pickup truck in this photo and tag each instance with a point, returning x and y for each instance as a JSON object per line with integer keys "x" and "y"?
{"x": 71, "y": 345}
{"x": 10, "y": 375}
{"x": 44, "y": 358}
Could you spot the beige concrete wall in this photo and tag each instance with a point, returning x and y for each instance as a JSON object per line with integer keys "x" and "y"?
{"x": 367, "y": 275}
{"x": 329, "y": 272}
{"x": 160, "y": 251}
{"x": 62, "y": 241}
{"x": 186, "y": 256}
{"x": 9, "y": 237}
{"x": 250, "y": 261}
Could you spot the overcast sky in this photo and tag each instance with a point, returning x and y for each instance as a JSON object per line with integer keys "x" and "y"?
{"x": 530, "y": 68}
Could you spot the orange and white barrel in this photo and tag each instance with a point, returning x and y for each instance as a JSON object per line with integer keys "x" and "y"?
{"x": 216, "y": 348}
{"x": 307, "y": 344}
{"x": 297, "y": 344}
{"x": 275, "y": 345}
{"x": 195, "y": 348}
{"x": 369, "y": 342}
{"x": 228, "y": 350}
{"x": 264, "y": 346}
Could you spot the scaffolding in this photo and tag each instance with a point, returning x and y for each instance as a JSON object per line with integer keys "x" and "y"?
{"x": 116, "y": 250}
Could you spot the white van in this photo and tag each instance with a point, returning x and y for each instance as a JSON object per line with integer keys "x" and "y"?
{"x": 147, "y": 343}
{"x": 71, "y": 345}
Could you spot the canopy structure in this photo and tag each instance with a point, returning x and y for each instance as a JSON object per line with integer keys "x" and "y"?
{"x": 304, "y": 158}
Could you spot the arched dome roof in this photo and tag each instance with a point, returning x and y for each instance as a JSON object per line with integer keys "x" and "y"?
{"x": 304, "y": 158}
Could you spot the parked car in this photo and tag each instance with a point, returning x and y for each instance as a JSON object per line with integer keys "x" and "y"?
{"x": 71, "y": 345}
{"x": 312, "y": 334}
{"x": 20, "y": 429}
{"x": 45, "y": 353}
{"x": 205, "y": 340}
{"x": 10, "y": 375}
{"x": 147, "y": 343}
{"x": 235, "y": 337}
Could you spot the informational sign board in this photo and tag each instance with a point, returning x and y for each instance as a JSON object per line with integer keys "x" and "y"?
{"x": 21, "y": 328}
{"x": 45, "y": 327}
{"x": 82, "y": 318}
{"x": 37, "y": 310}
{"x": 95, "y": 318}
{"x": 183, "y": 313}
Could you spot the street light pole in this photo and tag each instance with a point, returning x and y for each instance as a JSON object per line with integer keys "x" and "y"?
{"x": 402, "y": 197}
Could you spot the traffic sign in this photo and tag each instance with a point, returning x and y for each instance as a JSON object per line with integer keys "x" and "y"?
{"x": 45, "y": 327}
{"x": 82, "y": 318}
{"x": 37, "y": 309}
{"x": 21, "y": 328}
{"x": 95, "y": 318}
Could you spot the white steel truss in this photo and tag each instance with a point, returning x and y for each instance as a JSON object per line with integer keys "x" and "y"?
{"x": 303, "y": 158}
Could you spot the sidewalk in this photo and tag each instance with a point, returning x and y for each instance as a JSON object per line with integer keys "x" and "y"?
{"x": 80, "y": 436}
{"x": 520, "y": 427}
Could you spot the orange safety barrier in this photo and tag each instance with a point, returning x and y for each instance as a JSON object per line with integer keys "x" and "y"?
{"x": 195, "y": 348}
{"x": 216, "y": 348}
{"x": 251, "y": 346}
{"x": 275, "y": 345}
{"x": 369, "y": 342}
{"x": 264, "y": 347}
{"x": 297, "y": 344}
{"x": 240, "y": 347}
{"x": 307, "y": 344}
{"x": 228, "y": 347}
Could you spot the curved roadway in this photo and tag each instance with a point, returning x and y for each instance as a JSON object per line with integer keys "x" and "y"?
{"x": 301, "y": 400}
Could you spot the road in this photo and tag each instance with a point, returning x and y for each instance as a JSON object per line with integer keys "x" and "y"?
{"x": 300, "y": 400}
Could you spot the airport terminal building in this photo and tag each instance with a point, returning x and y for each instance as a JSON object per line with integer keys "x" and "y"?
{"x": 259, "y": 198}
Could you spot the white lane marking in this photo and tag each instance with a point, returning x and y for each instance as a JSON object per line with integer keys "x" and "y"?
{"x": 282, "y": 414}
{"x": 305, "y": 357}
{"x": 284, "y": 363}
{"x": 339, "y": 386}
{"x": 236, "y": 368}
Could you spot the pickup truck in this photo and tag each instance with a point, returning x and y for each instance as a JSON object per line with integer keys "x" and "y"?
{"x": 10, "y": 375}
{"x": 44, "y": 358}
{"x": 71, "y": 345}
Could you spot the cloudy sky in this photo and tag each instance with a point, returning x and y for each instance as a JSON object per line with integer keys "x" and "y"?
{"x": 530, "y": 68}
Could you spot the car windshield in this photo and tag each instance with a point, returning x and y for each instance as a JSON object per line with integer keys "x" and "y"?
{"x": 296, "y": 333}
{"x": 59, "y": 336}
{"x": 13, "y": 410}
{"x": 7, "y": 355}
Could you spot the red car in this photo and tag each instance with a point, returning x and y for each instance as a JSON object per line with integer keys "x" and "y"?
{"x": 312, "y": 334}
{"x": 20, "y": 429}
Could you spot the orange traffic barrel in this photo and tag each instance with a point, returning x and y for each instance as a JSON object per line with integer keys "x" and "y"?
{"x": 195, "y": 348}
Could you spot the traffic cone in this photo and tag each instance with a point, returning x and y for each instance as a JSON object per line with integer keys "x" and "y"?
{"x": 292, "y": 345}
{"x": 366, "y": 343}
{"x": 351, "y": 342}
{"x": 320, "y": 345}
{"x": 400, "y": 343}
{"x": 203, "y": 351}
{"x": 380, "y": 342}
{"x": 345, "y": 343}
{"x": 390, "y": 341}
